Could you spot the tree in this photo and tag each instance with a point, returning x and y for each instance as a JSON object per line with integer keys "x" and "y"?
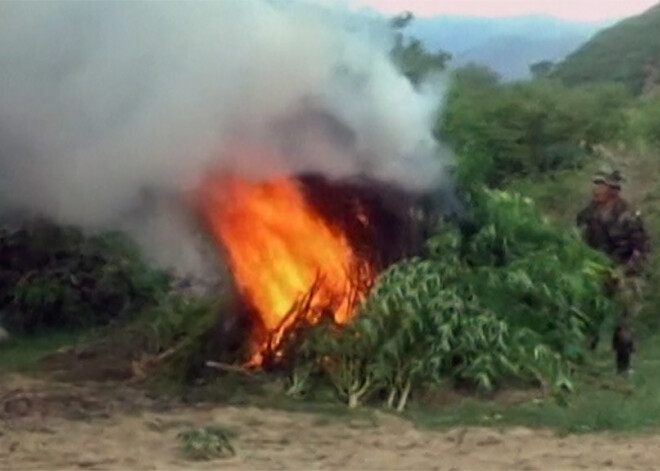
{"x": 402, "y": 20}
{"x": 414, "y": 61}
{"x": 541, "y": 69}
{"x": 398, "y": 24}
{"x": 502, "y": 130}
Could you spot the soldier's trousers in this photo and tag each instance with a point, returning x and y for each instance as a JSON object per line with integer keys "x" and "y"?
{"x": 629, "y": 296}
{"x": 629, "y": 299}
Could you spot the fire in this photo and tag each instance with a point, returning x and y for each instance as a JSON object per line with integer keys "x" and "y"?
{"x": 281, "y": 251}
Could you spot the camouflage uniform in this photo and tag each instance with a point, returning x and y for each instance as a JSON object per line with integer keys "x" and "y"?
{"x": 618, "y": 230}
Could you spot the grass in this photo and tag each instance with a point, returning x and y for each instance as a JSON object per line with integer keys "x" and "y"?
{"x": 22, "y": 354}
{"x": 267, "y": 392}
{"x": 208, "y": 443}
{"x": 602, "y": 401}
{"x": 619, "y": 53}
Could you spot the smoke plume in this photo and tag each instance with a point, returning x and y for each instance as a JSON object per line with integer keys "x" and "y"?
{"x": 104, "y": 102}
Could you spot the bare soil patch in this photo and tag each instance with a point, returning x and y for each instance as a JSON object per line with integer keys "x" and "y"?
{"x": 45, "y": 425}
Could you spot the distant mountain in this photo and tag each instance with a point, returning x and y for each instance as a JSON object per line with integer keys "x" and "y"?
{"x": 511, "y": 56}
{"x": 627, "y": 52}
{"x": 506, "y": 45}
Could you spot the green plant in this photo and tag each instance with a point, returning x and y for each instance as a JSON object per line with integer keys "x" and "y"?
{"x": 517, "y": 302}
{"x": 503, "y": 130}
{"x": 648, "y": 121}
{"x": 176, "y": 336}
{"x": 341, "y": 358}
{"x": 57, "y": 277}
{"x": 410, "y": 56}
{"x": 208, "y": 443}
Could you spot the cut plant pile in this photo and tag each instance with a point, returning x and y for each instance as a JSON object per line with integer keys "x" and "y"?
{"x": 515, "y": 302}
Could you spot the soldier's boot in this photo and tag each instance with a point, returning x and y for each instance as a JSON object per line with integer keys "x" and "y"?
{"x": 623, "y": 362}
{"x": 622, "y": 344}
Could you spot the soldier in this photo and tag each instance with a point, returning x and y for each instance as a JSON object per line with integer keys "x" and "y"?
{"x": 610, "y": 224}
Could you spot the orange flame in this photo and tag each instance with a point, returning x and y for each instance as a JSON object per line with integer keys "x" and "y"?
{"x": 278, "y": 249}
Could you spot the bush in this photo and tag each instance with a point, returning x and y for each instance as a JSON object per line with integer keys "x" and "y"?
{"x": 649, "y": 121}
{"x": 53, "y": 278}
{"x": 508, "y": 130}
{"x": 207, "y": 443}
{"x": 517, "y": 302}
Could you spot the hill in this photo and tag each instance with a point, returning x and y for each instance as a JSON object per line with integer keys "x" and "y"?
{"x": 506, "y": 45}
{"x": 628, "y": 52}
{"x": 511, "y": 56}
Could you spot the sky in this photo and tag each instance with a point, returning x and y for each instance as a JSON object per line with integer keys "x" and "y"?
{"x": 576, "y": 10}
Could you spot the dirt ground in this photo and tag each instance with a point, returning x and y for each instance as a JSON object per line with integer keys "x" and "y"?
{"x": 53, "y": 426}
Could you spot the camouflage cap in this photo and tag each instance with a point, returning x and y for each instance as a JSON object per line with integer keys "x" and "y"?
{"x": 612, "y": 179}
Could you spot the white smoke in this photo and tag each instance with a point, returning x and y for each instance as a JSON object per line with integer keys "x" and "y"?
{"x": 100, "y": 100}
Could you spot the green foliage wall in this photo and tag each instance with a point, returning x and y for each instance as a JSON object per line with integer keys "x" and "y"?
{"x": 54, "y": 277}
{"x": 501, "y": 131}
{"x": 646, "y": 122}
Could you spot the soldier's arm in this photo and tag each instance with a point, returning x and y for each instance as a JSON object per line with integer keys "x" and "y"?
{"x": 583, "y": 217}
{"x": 640, "y": 238}
{"x": 639, "y": 242}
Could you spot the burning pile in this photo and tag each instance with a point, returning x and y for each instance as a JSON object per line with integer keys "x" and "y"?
{"x": 299, "y": 250}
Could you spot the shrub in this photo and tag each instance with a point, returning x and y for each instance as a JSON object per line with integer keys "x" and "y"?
{"x": 53, "y": 277}
{"x": 207, "y": 443}
{"x": 509, "y": 130}
{"x": 649, "y": 121}
{"x": 517, "y": 302}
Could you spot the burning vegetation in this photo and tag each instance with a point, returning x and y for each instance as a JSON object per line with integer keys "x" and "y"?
{"x": 347, "y": 286}
{"x": 300, "y": 250}
{"x": 352, "y": 284}
{"x": 289, "y": 262}
{"x": 344, "y": 287}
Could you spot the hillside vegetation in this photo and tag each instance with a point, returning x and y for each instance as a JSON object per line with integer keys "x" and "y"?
{"x": 512, "y": 304}
{"x": 627, "y": 53}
